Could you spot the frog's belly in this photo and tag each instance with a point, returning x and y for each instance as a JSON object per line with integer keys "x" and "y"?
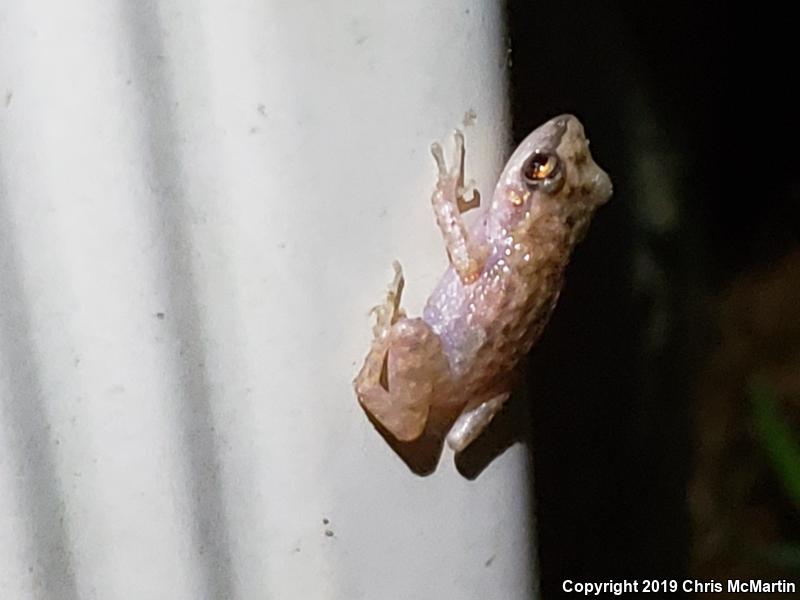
{"x": 464, "y": 318}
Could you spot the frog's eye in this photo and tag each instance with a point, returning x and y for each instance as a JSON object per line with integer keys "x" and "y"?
{"x": 543, "y": 171}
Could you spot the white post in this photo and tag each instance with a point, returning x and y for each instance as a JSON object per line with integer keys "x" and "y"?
{"x": 199, "y": 203}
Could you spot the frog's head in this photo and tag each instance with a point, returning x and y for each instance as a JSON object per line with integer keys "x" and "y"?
{"x": 550, "y": 173}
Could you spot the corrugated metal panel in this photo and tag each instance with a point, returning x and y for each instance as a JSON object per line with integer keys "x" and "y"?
{"x": 198, "y": 204}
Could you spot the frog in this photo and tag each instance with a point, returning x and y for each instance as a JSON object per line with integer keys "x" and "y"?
{"x": 505, "y": 275}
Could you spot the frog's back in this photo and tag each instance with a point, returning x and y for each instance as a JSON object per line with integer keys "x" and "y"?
{"x": 487, "y": 326}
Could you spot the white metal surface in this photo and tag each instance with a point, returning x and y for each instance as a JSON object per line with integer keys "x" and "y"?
{"x": 199, "y": 201}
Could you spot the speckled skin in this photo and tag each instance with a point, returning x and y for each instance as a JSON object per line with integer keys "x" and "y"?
{"x": 494, "y": 301}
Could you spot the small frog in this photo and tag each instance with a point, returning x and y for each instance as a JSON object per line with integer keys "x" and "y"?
{"x": 493, "y": 302}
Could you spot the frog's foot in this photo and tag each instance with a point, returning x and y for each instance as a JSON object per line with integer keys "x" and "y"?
{"x": 453, "y": 179}
{"x": 388, "y": 313}
{"x": 449, "y": 202}
{"x": 404, "y": 373}
{"x": 473, "y": 421}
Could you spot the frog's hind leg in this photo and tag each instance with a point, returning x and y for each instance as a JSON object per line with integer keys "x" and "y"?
{"x": 471, "y": 423}
{"x": 405, "y": 371}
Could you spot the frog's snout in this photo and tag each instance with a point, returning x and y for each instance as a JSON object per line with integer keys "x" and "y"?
{"x": 575, "y": 145}
{"x": 602, "y": 185}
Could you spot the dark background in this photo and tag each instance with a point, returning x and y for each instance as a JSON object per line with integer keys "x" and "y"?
{"x": 688, "y": 108}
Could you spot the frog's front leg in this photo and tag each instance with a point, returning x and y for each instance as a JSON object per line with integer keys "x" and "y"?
{"x": 466, "y": 255}
{"x": 473, "y": 420}
{"x": 406, "y": 370}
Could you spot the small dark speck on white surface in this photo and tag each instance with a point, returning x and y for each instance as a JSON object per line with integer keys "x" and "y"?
{"x": 9, "y": 97}
{"x": 469, "y": 118}
{"x": 262, "y": 110}
{"x": 489, "y": 562}
{"x": 328, "y": 533}
{"x": 325, "y": 521}
{"x": 160, "y": 316}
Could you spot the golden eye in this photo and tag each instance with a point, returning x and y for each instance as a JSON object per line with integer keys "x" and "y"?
{"x": 543, "y": 171}
{"x": 540, "y": 166}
